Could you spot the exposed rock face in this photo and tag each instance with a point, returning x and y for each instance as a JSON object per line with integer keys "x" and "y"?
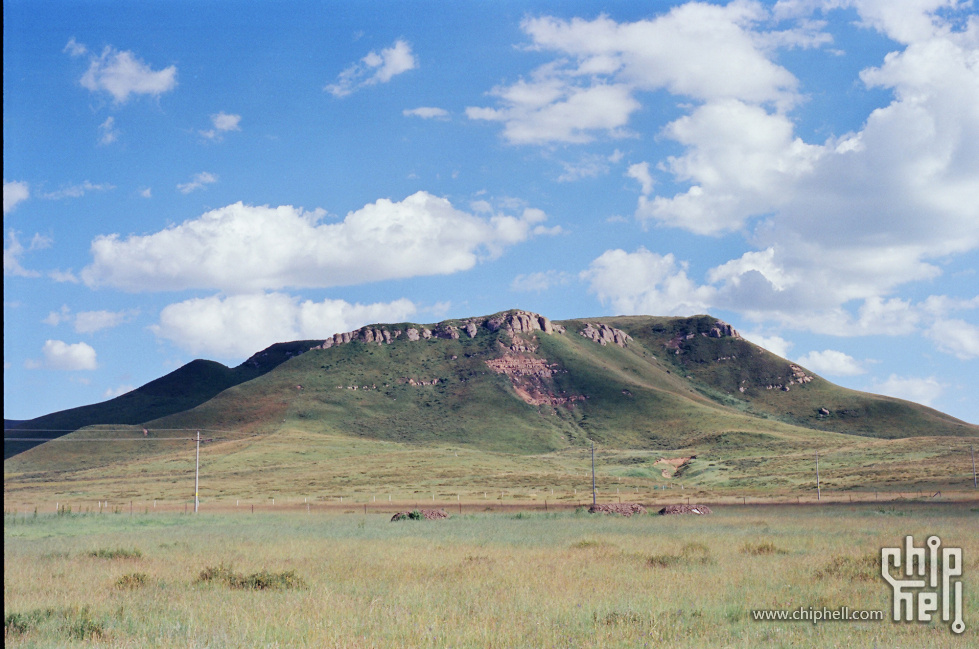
{"x": 604, "y": 334}
{"x": 511, "y": 322}
{"x": 723, "y": 329}
{"x": 527, "y": 374}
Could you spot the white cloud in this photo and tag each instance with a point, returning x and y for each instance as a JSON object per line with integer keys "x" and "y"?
{"x": 59, "y": 355}
{"x": 199, "y": 181}
{"x": 121, "y": 74}
{"x": 956, "y": 337}
{"x": 108, "y": 132}
{"x": 644, "y": 282}
{"x": 146, "y": 192}
{"x": 92, "y": 321}
{"x": 74, "y": 48}
{"x": 112, "y": 393}
{"x": 831, "y": 362}
{"x": 14, "y": 192}
{"x": 697, "y": 50}
{"x": 238, "y": 326}
{"x": 775, "y": 344}
{"x": 77, "y": 191}
{"x": 89, "y": 321}
{"x": 923, "y": 391}
{"x": 738, "y": 157}
{"x": 14, "y": 250}
{"x": 640, "y": 173}
{"x": 426, "y": 112}
{"x": 539, "y": 282}
{"x": 240, "y": 248}
{"x": 374, "y": 68}
{"x": 223, "y": 123}
{"x": 590, "y": 165}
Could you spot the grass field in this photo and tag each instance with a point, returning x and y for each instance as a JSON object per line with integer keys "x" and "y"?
{"x": 478, "y": 580}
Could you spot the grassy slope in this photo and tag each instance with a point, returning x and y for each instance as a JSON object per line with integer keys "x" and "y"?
{"x": 754, "y": 368}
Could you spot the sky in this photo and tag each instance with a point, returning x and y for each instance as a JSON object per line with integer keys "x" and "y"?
{"x": 201, "y": 180}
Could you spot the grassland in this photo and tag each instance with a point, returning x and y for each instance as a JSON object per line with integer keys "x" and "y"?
{"x": 481, "y": 580}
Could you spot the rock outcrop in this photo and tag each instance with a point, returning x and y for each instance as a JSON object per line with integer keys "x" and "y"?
{"x": 510, "y": 322}
{"x": 604, "y": 334}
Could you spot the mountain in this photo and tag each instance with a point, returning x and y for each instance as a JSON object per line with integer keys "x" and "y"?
{"x": 513, "y": 382}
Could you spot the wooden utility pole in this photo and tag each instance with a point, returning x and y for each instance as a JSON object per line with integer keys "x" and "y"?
{"x": 972, "y": 450}
{"x": 594, "y": 500}
{"x": 818, "y": 495}
{"x": 197, "y": 473}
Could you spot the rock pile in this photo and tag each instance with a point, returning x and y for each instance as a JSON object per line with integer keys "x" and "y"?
{"x": 623, "y": 509}
{"x": 419, "y": 514}
{"x": 686, "y": 509}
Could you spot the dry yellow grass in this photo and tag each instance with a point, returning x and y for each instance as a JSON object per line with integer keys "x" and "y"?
{"x": 484, "y": 580}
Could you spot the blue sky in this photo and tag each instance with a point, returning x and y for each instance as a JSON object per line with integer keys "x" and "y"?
{"x": 200, "y": 180}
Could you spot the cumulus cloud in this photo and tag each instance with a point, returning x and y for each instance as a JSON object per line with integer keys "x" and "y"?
{"x": 831, "y": 362}
{"x": 122, "y": 74}
{"x": 775, "y": 344}
{"x": 700, "y": 51}
{"x": 924, "y": 391}
{"x": 200, "y": 181}
{"x": 59, "y": 355}
{"x": 374, "y": 68}
{"x": 645, "y": 282}
{"x": 241, "y": 248}
{"x": 14, "y": 192}
{"x": 237, "y": 326}
{"x": 956, "y": 337}
{"x": 426, "y": 112}
{"x": 222, "y": 123}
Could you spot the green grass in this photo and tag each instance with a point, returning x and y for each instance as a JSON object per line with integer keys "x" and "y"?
{"x": 480, "y": 580}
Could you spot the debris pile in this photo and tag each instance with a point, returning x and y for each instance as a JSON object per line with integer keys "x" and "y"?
{"x": 686, "y": 509}
{"x": 420, "y": 514}
{"x": 625, "y": 509}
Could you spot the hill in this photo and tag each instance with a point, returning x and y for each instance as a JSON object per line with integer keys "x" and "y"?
{"x": 513, "y": 382}
{"x": 506, "y": 401}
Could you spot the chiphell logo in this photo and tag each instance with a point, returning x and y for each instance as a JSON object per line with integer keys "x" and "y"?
{"x": 935, "y": 575}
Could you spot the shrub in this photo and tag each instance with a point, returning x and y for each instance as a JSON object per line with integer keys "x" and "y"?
{"x": 81, "y": 625}
{"x": 117, "y": 553}
{"x": 757, "y": 549}
{"x": 690, "y": 554}
{"x": 263, "y": 580}
{"x": 20, "y": 623}
{"x": 131, "y": 581}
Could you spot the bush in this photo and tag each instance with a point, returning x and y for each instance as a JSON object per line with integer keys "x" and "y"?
{"x": 117, "y": 553}
{"x": 81, "y": 625}
{"x": 263, "y": 580}
{"x": 131, "y": 581}
{"x": 758, "y": 549}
